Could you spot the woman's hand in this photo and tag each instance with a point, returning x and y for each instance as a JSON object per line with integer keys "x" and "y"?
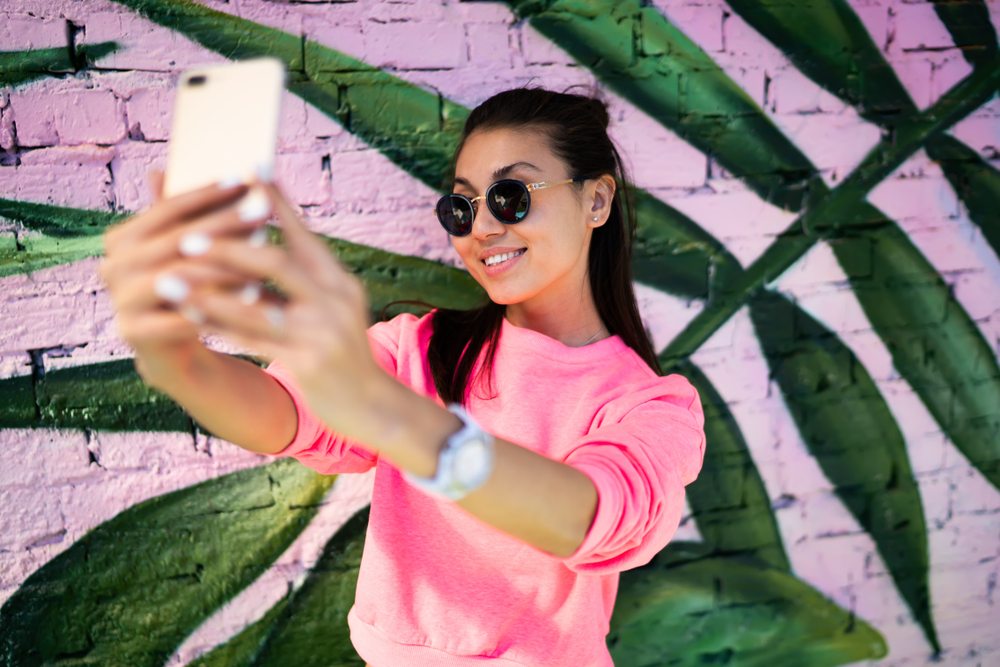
{"x": 318, "y": 329}
{"x": 146, "y": 271}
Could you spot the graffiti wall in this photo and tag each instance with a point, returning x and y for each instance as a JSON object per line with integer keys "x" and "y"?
{"x": 817, "y": 191}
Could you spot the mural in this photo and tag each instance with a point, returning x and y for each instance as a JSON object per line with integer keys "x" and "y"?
{"x": 841, "y": 326}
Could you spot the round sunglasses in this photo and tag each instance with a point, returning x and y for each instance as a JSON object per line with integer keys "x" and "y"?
{"x": 508, "y": 200}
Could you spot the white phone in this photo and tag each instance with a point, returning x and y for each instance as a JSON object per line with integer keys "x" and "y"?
{"x": 225, "y": 124}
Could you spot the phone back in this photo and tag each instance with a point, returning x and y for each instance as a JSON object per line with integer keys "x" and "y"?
{"x": 225, "y": 124}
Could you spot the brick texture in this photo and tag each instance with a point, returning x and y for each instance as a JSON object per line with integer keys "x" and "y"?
{"x": 89, "y": 138}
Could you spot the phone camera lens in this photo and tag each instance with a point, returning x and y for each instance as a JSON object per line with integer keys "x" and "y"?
{"x": 196, "y": 80}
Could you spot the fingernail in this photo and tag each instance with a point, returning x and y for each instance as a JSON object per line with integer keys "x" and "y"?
{"x": 192, "y": 314}
{"x": 265, "y": 173}
{"x": 171, "y": 288}
{"x": 195, "y": 244}
{"x": 250, "y": 294}
{"x": 258, "y": 239}
{"x": 254, "y": 207}
{"x": 229, "y": 182}
{"x": 276, "y": 317}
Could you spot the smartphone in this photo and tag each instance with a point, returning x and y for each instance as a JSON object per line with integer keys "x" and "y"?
{"x": 225, "y": 124}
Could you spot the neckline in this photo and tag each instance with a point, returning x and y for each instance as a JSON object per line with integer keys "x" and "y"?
{"x": 520, "y": 337}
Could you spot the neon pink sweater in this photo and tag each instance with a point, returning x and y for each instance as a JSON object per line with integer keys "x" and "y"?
{"x": 437, "y": 586}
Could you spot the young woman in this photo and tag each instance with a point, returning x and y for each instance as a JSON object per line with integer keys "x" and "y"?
{"x": 497, "y": 531}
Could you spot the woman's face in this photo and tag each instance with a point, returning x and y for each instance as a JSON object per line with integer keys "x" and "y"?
{"x": 550, "y": 245}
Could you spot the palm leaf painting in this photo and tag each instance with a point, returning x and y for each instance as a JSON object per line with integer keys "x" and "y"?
{"x": 682, "y": 607}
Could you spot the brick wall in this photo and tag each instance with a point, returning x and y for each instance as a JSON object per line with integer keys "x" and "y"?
{"x": 87, "y": 138}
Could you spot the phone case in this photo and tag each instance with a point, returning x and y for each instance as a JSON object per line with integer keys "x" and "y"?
{"x": 225, "y": 124}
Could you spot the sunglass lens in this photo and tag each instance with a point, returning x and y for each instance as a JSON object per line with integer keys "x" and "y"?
{"x": 455, "y": 214}
{"x": 508, "y": 200}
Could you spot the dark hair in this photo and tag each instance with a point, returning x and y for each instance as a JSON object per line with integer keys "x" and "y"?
{"x": 576, "y": 127}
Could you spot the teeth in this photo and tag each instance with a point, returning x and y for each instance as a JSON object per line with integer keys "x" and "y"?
{"x": 503, "y": 257}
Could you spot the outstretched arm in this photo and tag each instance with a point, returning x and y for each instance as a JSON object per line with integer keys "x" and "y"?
{"x": 319, "y": 333}
{"x": 148, "y": 275}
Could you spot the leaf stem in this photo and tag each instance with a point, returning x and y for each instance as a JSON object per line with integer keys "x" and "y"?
{"x": 838, "y": 211}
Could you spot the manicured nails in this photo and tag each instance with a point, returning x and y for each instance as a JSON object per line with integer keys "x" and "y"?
{"x": 276, "y": 318}
{"x": 258, "y": 239}
{"x": 254, "y": 207}
{"x": 229, "y": 182}
{"x": 265, "y": 172}
{"x": 195, "y": 244}
{"x": 250, "y": 294}
{"x": 171, "y": 288}
{"x": 192, "y": 314}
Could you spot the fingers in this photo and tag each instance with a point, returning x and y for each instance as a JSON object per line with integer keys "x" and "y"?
{"x": 264, "y": 263}
{"x": 174, "y": 285}
{"x": 156, "y": 326}
{"x": 195, "y": 239}
{"x": 155, "y": 179}
{"x": 309, "y": 251}
{"x": 169, "y": 212}
{"x": 264, "y": 320}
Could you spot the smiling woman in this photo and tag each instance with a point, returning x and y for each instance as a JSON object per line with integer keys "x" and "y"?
{"x": 526, "y": 452}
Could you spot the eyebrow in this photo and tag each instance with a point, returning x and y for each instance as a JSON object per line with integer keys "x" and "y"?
{"x": 499, "y": 174}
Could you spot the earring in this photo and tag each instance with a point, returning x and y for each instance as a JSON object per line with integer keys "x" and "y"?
{"x": 595, "y": 218}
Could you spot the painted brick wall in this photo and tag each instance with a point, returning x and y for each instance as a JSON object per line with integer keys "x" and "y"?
{"x": 87, "y": 138}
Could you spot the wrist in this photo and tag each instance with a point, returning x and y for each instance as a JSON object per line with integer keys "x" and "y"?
{"x": 161, "y": 366}
{"x": 412, "y": 429}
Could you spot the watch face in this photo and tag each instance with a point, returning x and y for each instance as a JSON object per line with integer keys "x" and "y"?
{"x": 472, "y": 463}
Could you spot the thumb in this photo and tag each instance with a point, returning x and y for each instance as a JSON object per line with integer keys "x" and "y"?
{"x": 306, "y": 247}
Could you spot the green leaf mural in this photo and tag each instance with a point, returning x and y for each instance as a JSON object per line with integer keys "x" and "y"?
{"x": 968, "y": 21}
{"x": 61, "y": 235}
{"x": 309, "y": 627}
{"x": 864, "y": 456}
{"x": 674, "y": 254}
{"x": 950, "y": 365}
{"x": 826, "y": 40}
{"x": 133, "y": 588}
{"x": 720, "y": 611}
{"x": 108, "y": 396}
{"x": 659, "y": 69}
{"x": 312, "y": 631}
{"x": 729, "y": 502}
{"x": 17, "y": 67}
{"x": 241, "y": 650}
{"x": 684, "y": 607}
{"x": 934, "y": 343}
{"x": 419, "y": 130}
{"x": 976, "y": 182}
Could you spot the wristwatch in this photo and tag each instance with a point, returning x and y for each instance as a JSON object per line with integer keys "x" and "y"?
{"x": 464, "y": 463}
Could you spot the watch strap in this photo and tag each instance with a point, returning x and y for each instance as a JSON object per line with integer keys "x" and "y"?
{"x": 447, "y": 483}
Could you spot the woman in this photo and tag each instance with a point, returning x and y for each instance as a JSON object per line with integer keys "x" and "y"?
{"x": 498, "y": 531}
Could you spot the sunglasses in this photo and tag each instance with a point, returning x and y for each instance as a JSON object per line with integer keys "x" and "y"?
{"x": 508, "y": 200}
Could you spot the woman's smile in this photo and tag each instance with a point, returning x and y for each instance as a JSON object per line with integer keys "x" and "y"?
{"x": 500, "y": 260}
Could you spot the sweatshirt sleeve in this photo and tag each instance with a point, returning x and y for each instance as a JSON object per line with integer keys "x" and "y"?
{"x": 640, "y": 465}
{"x": 314, "y": 444}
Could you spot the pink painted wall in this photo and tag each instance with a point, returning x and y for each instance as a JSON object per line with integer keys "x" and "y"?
{"x": 88, "y": 140}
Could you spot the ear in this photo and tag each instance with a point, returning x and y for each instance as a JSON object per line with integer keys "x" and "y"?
{"x": 604, "y": 193}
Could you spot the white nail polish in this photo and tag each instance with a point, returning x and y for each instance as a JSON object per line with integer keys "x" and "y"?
{"x": 192, "y": 314}
{"x": 258, "y": 239}
{"x": 171, "y": 288}
{"x": 265, "y": 172}
{"x": 229, "y": 182}
{"x": 195, "y": 244}
{"x": 276, "y": 318}
{"x": 254, "y": 207}
{"x": 250, "y": 294}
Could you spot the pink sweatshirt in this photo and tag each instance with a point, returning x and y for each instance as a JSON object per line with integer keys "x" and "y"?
{"x": 438, "y": 587}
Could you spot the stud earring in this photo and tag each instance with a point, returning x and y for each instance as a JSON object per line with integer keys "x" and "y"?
{"x": 595, "y": 218}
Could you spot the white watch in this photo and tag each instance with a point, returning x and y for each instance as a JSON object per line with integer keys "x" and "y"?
{"x": 464, "y": 463}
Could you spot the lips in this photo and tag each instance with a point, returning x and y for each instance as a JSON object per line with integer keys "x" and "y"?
{"x": 494, "y": 260}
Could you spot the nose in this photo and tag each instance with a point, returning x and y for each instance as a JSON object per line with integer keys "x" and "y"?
{"x": 485, "y": 224}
